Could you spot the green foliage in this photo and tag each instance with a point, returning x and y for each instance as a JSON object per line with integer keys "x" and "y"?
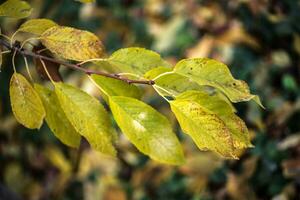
{"x": 200, "y": 88}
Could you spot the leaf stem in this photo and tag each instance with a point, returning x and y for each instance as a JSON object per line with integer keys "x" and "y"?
{"x": 78, "y": 67}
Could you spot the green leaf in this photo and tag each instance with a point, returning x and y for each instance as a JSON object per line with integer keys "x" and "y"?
{"x": 114, "y": 87}
{"x": 169, "y": 83}
{"x": 15, "y": 9}
{"x": 147, "y": 129}
{"x": 210, "y": 72}
{"x": 88, "y": 117}
{"x": 25, "y": 102}
{"x": 153, "y": 73}
{"x": 71, "y": 43}
{"x": 135, "y": 60}
{"x": 56, "y": 118}
{"x": 211, "y": 122}
{"x": 37, "y": 26}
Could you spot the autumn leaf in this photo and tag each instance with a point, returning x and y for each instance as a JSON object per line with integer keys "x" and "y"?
{"x": 25, "y": 102}
{"x": 73, "y": 44}
{"x": 56, "y": 118}
{"x": 88, "y": 117}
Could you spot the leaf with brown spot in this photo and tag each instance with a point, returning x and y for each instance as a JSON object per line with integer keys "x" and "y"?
{"x": 211, "y": 122}
{"x": 72, "y": 44}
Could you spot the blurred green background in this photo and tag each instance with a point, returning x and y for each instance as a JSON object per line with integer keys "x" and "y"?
{"x": 260, "y": 42}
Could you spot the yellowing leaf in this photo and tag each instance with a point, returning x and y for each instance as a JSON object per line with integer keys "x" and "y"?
{"x": 88, "y": 117}
{"x": 225, "y": 111}
{"x": 25, "y": 102}
{"x": 135, "y": 60}
{"x": 210, "y": 72}
{"x": 211, "y": 122}
{"x": 37, "y": 26}
{"x": 56, "y": 118}
{"x": 71, "y": 43}
{"x": 205, "y": 128}
{"x": 15, "y": 8}
{"x": 114, "y": 87}
{"x": 147, "y": 129}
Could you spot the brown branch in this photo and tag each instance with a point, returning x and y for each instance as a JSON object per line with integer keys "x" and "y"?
{"x": 28, "y": 53}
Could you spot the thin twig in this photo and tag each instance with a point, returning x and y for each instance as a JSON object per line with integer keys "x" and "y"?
{"x": 28, "y": 53}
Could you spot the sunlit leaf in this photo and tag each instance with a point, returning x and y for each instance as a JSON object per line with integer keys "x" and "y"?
{"x": 210, "y": 72}
{"x": 25, "y": 102}
{"x": 88, "y": 117}
{"x": 56, "y": 118}
{"x": 211, "y": 122}
{"x": 37, "y": 26}
{"x": 147, "y": 129}
{"x": 114, "y": 87}
{"x": 71, "y": 43}
{"x": 15, "y": 9}
{"x": 135, "y": 60}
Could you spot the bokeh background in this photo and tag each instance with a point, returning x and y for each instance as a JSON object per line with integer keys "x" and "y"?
{"x": 260, "y": 42}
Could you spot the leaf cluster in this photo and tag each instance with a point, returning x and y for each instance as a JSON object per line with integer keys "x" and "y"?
{"x": 200, "y": 92}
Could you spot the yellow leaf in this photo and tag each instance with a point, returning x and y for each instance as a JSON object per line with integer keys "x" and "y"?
{"x": 88, "y": 117}
{"x": 15, "y": 8}
{"x": 37, "y": 26}
{"x": 73, "y": 44}
{"x": 56, "y": 118}
{"x": 25, "y": 102}
{"x": 210, "y": 72}
{"x": 211, "y": 122}
{"x": 147, "y": 129}
{"x": 225, "y": 111}
{"x": 207, "y": 130}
